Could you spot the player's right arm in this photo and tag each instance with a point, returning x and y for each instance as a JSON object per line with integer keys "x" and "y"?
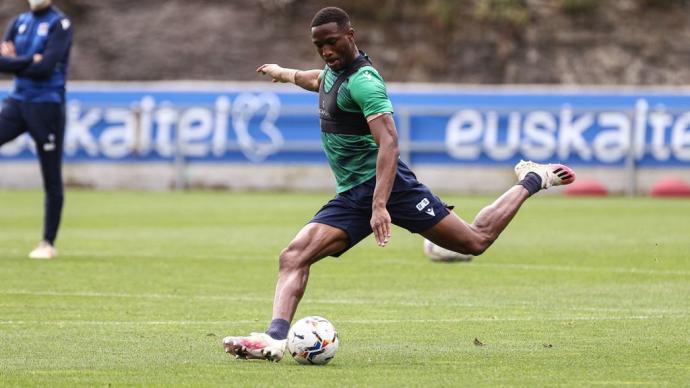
{"x": 9, "y": 62}
{"x": 10, "y": 31}
{"x": 14, "y": 64}
{"x": 306, "y": 79}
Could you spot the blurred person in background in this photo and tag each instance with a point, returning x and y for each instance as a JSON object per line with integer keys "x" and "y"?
{"x": 375, "y": 189}
{"x": 35, "y": 48}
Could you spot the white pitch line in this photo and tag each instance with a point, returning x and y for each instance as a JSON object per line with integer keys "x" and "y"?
{"x": 343, "y": 321}
{"x": 436, "y": 302}
{"x": 125, "y": 323}
{"x": 243, "y": 298}
{"x": 239, "y": 298}
{"x": 561, "y": 268}
{"x": 517, "y": 319}
{"x": 150, "y": 255}
{"x": 478, "y": 263}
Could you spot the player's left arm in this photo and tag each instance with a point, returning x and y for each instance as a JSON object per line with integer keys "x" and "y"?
{"x": 57, "y": 46}
{"x": 383, "y": 129}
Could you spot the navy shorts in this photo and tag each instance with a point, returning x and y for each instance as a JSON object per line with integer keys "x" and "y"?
{"x": 411, "y": 206}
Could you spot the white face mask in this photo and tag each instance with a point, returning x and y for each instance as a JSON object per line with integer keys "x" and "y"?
{"x": 34, "y": 4}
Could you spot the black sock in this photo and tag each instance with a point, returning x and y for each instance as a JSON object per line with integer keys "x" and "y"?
{"x": 278, "y": 329}
{"x": 531, "y": 182}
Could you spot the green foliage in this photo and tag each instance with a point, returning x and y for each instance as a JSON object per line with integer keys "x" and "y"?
{"x": 576, "y": 292}
{"x": 580, "y": 7}
{"x": 445, "y": 11}
{"x": 664, "y": 3}
{"x": 512, "y": 12}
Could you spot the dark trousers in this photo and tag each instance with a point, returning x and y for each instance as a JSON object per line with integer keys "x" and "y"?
{"x": 45, "y": 122}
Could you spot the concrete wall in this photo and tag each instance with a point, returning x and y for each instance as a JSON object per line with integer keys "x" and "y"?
{"x": 248, "y": 177}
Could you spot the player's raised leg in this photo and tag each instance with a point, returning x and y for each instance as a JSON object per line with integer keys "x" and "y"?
{"x": 314, "y": 242}
{"x": 457, "y": 235}
{"x": 550, "y": 174}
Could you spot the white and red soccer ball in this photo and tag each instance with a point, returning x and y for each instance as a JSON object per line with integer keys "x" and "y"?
{"x": 312, "y": 341}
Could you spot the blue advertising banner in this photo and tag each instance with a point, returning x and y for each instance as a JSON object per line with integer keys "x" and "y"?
{"x": 251, "y": 124}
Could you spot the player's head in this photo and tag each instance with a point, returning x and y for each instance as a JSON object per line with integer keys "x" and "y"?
{"x": 36, "y": 5}
{"x": 334, "y": 37}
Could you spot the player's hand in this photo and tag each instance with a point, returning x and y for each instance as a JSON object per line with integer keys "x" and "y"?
{"x": 277, "y": 73}
{"x": 38, "y": 58}
{"x": 7, "y": 49}
{"x": 381, "y": 225}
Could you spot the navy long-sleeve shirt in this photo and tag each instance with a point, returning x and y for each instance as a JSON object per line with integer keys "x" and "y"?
{"x": 15, "y": 64}
{"x": 49, "y": 33}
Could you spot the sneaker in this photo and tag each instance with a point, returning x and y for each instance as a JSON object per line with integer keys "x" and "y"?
{"x": 551, "y": 174}
{"x": 44, "y": 251}
{"x": 259, "y": 346}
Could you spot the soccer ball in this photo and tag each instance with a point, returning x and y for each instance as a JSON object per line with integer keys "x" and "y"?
{"x": 439, "y": 254}
{"x": 312, "y": 341}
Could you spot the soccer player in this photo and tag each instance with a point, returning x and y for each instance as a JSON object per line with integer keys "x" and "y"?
{"x": 35, "y": 48}
{"x": 374, "y": 187}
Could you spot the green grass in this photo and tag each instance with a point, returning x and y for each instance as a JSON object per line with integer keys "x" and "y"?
{"x": 576, "y": 292}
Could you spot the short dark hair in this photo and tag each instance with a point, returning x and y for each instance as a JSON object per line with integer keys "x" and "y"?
{"x": 331, "y": 15}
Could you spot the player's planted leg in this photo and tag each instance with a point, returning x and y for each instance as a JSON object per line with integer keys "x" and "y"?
{"x": 314, "y": 242}
{"x": 255, "y": 346}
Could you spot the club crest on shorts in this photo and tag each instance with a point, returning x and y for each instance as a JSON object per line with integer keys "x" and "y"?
{"x": 422, "y": 204}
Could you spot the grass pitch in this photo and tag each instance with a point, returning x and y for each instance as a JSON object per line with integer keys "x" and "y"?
{"x": 575, "y": 292}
